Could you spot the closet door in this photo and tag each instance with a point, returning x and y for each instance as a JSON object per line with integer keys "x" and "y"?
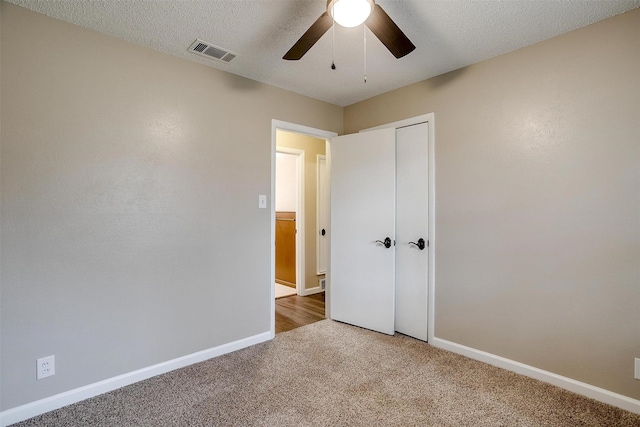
{"x": 362, "y": 217}
{"x": 412, "y": 224}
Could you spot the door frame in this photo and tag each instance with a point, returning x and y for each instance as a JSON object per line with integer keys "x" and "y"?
{"x": 305, "y": 130}
{"x": 430, "y": 119}
{"x": 300, "y": 237}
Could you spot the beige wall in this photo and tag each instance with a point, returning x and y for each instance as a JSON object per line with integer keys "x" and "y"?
{"x": 129, "y": 202}
{"x": 312, "y": 147}
{"x": 129, "y": 219}
{"x": 537, "y": 158}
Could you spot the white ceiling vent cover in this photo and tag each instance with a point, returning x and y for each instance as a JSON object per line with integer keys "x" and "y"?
{"x": 211, "y": 51}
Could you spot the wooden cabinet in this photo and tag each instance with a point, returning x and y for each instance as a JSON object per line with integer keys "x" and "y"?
{"x": 286, "y": 248}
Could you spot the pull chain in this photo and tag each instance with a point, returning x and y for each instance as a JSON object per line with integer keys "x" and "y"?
{"x": 365, "y": 52}
{"x": 333, "y": 39}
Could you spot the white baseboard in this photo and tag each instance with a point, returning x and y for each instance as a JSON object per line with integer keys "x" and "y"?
{"x": 588, "y": 390}
{"x": 29, "y": 410}
{"x": 311, "y": 291}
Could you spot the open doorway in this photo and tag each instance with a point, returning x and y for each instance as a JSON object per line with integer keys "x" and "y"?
{"x": 289, "y": 236}
{"x": 308, "y": 147}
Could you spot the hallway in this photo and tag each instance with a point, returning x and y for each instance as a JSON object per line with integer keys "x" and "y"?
{"x": 295, "y": 311}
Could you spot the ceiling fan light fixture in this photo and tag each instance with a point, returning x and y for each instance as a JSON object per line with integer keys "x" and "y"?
{"x": 350, "y": 13}
{"x": 371, "y": 14}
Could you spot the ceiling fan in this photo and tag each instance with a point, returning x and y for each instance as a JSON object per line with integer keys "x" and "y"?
{"x": 351, "y": 13}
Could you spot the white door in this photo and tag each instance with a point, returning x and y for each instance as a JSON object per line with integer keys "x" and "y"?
{"x": 362, "y": 217}
{"x": 412, "y": 224}
{"x": 322, "y": 206}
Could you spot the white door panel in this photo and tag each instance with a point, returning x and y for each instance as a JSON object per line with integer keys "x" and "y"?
{"x": 363, "y": 211}
{"x": 322, "y": 206}
{"x": 412, "y": 223}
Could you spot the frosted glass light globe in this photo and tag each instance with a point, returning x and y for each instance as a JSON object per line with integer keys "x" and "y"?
{"x": 350, "y": 13}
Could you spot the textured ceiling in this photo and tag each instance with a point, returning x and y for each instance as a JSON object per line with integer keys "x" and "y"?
{"x": 448, "y": 35}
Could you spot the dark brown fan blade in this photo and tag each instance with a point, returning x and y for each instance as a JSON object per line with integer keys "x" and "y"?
{"x": 388, "y": 32}
{"x": 309, "y": 38}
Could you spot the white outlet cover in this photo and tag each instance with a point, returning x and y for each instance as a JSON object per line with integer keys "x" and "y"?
{"x": 637, "y": 370}
{"x": 45, "y": 367}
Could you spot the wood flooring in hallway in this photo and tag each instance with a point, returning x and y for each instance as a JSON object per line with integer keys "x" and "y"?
{"x": 295, "y": 311}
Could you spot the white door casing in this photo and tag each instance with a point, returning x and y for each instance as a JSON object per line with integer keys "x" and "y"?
{"x": 363, "y": 212}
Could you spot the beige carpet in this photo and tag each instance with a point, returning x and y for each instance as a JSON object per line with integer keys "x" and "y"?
{"x": 331, "y": 374}
{"x": 284, "y": 291}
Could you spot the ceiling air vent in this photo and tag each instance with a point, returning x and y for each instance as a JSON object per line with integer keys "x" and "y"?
{"x": 208, "y": 50}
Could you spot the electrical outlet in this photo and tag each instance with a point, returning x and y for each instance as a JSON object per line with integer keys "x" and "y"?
{"x": 45, "y": 367}
{"x": 637, "y": 370}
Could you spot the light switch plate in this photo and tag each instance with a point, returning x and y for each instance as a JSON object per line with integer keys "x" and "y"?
{"x": 637, "y": 370}
{"x": 262, "y": 201}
